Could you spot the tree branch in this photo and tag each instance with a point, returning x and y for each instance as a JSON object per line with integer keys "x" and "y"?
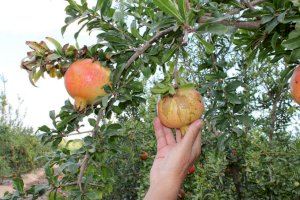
{"x": 253, "y": 3}
{"x": 83, "y": 167}
{"x": 239, "y": 24}
{"x": 147, "y": 45}
{"x": 84, "y": 163}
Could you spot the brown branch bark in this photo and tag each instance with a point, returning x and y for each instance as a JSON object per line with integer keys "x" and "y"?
{"x": 187, "y": 4}
{"x": 237, "y": 181}
{"x": 84, "y": 163}
{"x": 252, "y": 3}
{"x": 239, "y": 24}
{"x": 147, "y": 45}
{"x": 247, "y": 3}
{"x": 235, "y": 23}
{"x": 242, "y": 24}
{"x": 273, "y": 117}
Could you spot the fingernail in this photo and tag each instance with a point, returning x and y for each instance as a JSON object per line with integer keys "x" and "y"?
{"x": 198, "y": 122}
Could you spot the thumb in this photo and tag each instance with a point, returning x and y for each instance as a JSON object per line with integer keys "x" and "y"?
{"x": 192, "y": 133}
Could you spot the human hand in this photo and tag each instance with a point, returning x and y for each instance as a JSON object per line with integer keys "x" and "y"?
{"x": 174, "y": 157}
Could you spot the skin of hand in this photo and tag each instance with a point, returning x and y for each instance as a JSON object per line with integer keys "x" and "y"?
{"x": 174, "y": 157}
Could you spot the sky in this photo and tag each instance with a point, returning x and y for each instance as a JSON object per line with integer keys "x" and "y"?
{"x": 33, "y": 20}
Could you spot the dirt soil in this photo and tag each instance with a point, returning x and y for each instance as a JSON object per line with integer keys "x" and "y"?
{"x": 35, "y": 177}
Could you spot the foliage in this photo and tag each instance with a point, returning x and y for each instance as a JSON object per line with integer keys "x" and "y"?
{"x": 238, "y": 54}
{"x": 16, "y": 158}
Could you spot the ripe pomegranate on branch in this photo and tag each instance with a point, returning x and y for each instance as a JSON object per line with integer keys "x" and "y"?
{"x": 84, "y": 81}
{"x": 295, "y": 85}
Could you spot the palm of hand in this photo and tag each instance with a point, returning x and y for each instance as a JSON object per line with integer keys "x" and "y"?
{"x": 174, "y": 156}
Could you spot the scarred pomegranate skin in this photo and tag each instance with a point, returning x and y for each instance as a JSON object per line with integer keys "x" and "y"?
{"x": 181, "y": 109}
{"x": 295, "y": 85}
{"x": 84, "y": 81}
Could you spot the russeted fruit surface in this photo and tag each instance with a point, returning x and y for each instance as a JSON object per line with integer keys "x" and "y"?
{"x": 84, "y": 81}
{"x": 181, "y": 109}
{"x": 295, "y": 85}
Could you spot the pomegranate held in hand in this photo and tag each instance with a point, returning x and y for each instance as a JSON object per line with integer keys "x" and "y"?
{"x": 84, "y": 81}
{"x": 180, "y": 110}
{"x": 295, "y": 84}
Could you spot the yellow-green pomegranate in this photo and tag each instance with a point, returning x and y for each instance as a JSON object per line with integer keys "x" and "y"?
{"x": 180, "y": 110}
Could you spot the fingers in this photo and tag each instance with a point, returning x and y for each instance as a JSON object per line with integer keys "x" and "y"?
{"x": 178, "y": 136}
{"x": 159, "y": 134}
{"x": 169, "y": 135}
{"x": 192, "y": 133}
{"x": 196, "y": 149}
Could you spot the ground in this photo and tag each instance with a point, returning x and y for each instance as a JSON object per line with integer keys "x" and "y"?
{"x": 35, "y": 177}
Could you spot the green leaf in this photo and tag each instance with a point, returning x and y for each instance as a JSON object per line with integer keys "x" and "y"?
{"x": 104, "y": 100}
{"x": 136, "y": 86}
{"x": 274, "y": 40}
{"x": 160, "y": 89}
{"x": 172, "y": 90}
{"x": 146, "y": 71}
{"x": 37, "y": 75}
{"x": 295, "y": 55}
{"x": 18, "y": 184}
{"x": 44, "y": 128}
{"x": 106, "y": 8}
{"x": 112, "y": 128}
{"x": 62, "y": 124}
{"x": 209, "y": 48}
{"x": 245, "y": 119}
{"x": 92, "y": 122}
{"x": 170, "y": 8}
{"x": 233, "y": 98}
{"x": 266, "y": 18}
{"x": 56, "y": 44}
{"x": 182, "y": 8}
{"x": 232, "y": 86}
{"x": 168, "y": 54}
{"x": 52, "y": 114}
{"x": 292, "y": 44}
{"x": 217, "y": 29}
{"x": 78, "y": 32}
{"x": 271, "y": 25}
{"x": 281, "y": 17}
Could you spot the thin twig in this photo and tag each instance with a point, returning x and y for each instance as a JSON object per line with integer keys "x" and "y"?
{"x": 87, "y": 156}
{"x": 148, "y": 44}
{"x": 247, "y": 3}
{"x": 239, "y": 24}
{"x": 252, "y": 3}
{"x": 76, "y": 133}
{"x": 188, "y": 4}
{"x": 83, "y": 167}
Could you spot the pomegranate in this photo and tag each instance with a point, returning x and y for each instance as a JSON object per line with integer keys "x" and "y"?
{"x": 295, "y": 84}
{"x": 144, "y": 155}
{"x": 84, "y": 81}
{"x": 180, "y": 110}
{"x": 192, "y": 169}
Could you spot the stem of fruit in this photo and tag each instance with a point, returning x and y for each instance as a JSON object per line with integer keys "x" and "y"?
{"x": 183, "y": 130}
{"x": 175, "y": 72}
{"x": 80, "y": 103}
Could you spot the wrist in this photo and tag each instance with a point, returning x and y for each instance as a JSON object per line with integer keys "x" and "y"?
{"x": 163, "y": 189}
